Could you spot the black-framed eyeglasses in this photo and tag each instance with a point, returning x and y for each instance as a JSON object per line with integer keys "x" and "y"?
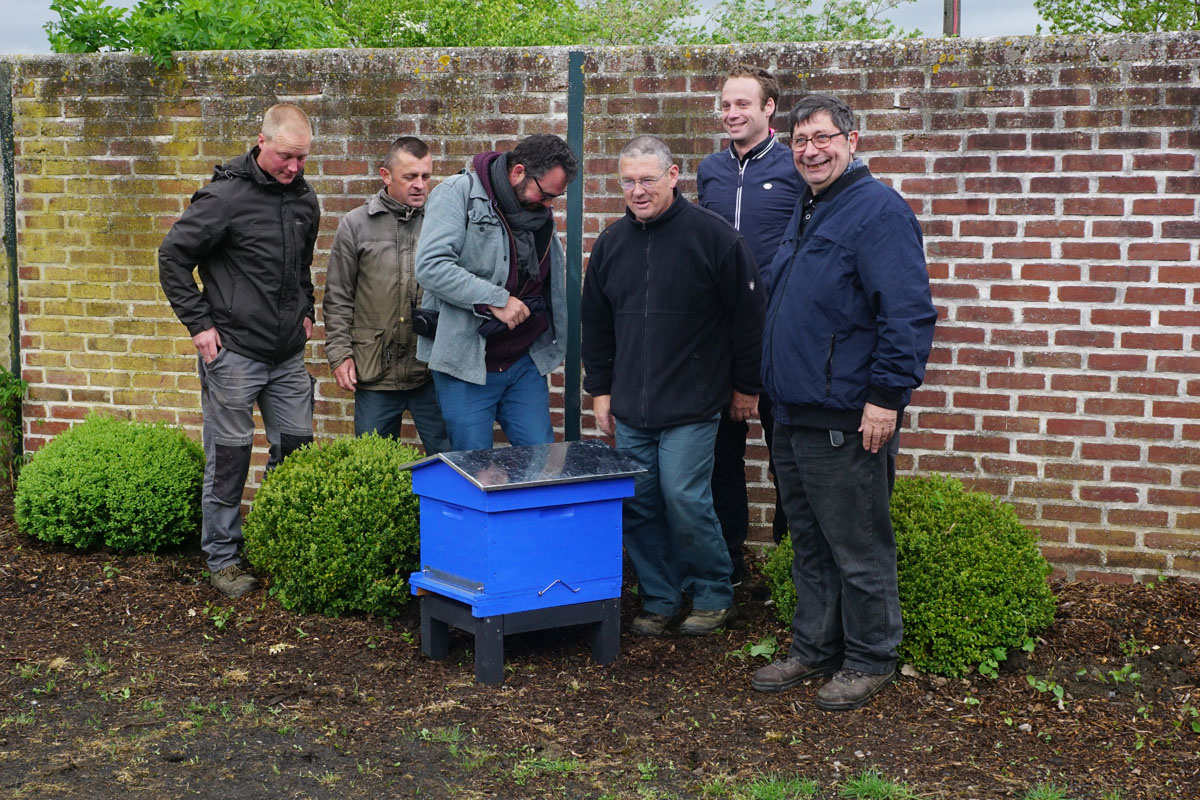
{"x": 628, "y": 183}
{"x": 820, "y": 141}
{"x": 545, "y": 195}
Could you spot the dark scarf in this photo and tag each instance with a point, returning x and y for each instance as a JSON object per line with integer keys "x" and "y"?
{"x": 521, "y": 221}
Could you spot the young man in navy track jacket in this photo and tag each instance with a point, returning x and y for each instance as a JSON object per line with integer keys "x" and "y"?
{"x": 755, "y": 186}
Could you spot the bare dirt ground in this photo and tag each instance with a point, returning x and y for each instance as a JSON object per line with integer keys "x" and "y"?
{"x": 128, "y": 677}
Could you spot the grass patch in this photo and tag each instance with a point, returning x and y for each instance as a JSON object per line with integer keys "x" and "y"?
{"x": 871, "y": 785}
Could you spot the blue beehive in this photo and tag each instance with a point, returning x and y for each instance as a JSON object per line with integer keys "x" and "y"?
{"x": 522, "y": 528}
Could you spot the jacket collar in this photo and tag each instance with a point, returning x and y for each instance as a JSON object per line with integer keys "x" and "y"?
{"x": 381, "y": 202}
{"x": 855, "y": 172}
{"x": 758, "y": 151}
{"x": 245, "y": 167}
{"x": 674, "y": 210}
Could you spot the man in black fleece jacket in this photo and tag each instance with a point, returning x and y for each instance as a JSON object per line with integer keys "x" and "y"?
{"x": 672, "y": 327}
{"x": 251, "y": 232}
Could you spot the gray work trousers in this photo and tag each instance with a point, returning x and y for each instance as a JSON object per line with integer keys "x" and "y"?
{"x": 230, "y": 386}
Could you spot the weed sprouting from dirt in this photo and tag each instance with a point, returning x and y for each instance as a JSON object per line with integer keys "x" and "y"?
{"x": 870, "y": 784}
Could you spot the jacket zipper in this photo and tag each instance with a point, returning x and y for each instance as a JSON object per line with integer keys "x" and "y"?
{"x": 645, "y": 326}
{"x": 829, "y": 367}
{"x": 737, "y": 206}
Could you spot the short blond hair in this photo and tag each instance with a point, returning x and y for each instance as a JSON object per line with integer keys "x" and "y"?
{"x": 284, "y": 115}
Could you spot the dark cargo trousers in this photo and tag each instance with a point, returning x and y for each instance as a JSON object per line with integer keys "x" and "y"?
{"x": 230, "y": 386}
{"x": 837, "y": 496}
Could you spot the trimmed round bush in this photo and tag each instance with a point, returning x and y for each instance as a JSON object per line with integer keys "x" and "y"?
{"x": 336, "y": 526}
{"x": 134, "y": 487}
{"x": 971, "y": 576}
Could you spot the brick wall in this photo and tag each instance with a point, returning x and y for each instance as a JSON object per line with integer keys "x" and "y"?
{"x": 1056, "y": 180}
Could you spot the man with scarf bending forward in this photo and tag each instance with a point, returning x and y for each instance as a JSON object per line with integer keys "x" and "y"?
{"x": 494, "y": 273}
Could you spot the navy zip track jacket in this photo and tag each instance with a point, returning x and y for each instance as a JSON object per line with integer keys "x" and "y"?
{"x": 849, "y": 317}
{"x": 765, "y": 181}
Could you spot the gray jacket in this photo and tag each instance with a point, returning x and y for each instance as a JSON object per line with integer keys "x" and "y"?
{"x": 370, "y": 293}
{"x": 463, "y": 260}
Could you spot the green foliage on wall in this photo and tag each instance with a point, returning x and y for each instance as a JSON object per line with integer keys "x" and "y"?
{"x": 158, "y": 27}
{"x": 1119, "y": 16}
{"x": 12, "y": 396}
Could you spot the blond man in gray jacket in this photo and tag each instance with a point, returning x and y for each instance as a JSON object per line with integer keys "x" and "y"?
{"x": 370, "y": 296}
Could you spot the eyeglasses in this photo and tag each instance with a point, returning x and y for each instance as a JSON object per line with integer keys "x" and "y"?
{"x": 820, "y": 141}
{"x": 628, "y": 183}
{"x": 546, "y": 195}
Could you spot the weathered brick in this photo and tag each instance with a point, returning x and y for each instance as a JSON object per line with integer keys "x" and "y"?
{"x": 1080, "y": 383}
{"x": 1131, "y": 559}
{"x": 1105, "y": 537}
{"x": 1092, "y": 162}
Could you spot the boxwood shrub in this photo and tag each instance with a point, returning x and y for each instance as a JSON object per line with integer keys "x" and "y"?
{"x": 336, "y": 527}
{"x": 971, "y": 576}
{"x": 134, "y": 487}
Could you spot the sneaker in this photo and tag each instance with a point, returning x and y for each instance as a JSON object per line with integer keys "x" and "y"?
{"x": 786, "y": 673}
{"x": 649, "y": 624}
{"x": 233, "y": 581}
{"x": 850, "y": 689}
{"x": 702, "y": 623}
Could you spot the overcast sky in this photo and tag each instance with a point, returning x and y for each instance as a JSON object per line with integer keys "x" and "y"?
{"x": 23, "y": 32}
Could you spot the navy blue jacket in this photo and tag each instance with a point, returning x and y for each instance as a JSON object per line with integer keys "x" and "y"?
{"x": 672, "y": 315}
{"x": 849, "y": 315}
{"x": 756, "y": 194}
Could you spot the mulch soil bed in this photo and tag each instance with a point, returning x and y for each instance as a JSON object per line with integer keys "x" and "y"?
{"x": 129, "y": 677}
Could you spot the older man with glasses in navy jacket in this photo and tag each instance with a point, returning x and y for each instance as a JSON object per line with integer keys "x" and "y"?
{"x": 848, "y": 331}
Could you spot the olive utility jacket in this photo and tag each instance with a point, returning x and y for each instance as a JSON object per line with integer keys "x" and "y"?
{"x": 370, "y": 293}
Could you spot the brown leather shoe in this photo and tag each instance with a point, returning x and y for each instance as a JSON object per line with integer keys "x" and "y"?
{"x": 786, "y": 673}
{"x": 850, "y": 689}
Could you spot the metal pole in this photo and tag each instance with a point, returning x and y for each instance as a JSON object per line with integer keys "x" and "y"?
{"x": 952, "y": 18}
{"x": 572, "y": 383}
{"x": 8, "y": 167}
{"x": 8, "y": 170}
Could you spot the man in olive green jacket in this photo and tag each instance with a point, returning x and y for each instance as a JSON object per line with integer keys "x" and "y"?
{"x": 370, "y": 296}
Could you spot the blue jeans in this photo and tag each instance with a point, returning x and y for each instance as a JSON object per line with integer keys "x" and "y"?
{"x": 837, "y": 501}
{"x": 229, "y": 388}
{"x": 518, "y": 398}
{"x": 672, "y": 534}
{"x": 382, "y": 411}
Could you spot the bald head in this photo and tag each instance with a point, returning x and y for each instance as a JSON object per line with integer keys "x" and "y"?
{"x": 284, "y": 142}
{"x": 285, "y": 116}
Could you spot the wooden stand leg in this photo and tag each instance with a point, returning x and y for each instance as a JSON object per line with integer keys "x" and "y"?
{"x": 489, "y": 649}
{"x": 435, "y": 633}
{"x": 606, "y": 634}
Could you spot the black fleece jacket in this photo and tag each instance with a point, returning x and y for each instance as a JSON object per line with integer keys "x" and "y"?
{"x": 253, "y": 239}
{"x": 672, "y": 317}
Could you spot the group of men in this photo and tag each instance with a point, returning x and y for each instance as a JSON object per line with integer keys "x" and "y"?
{"x": 794, "y": 290}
